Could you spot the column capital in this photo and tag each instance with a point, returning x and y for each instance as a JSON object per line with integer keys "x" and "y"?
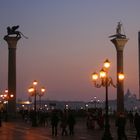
{"x": 119, "y": 43}
{"x": 11, "y": 40}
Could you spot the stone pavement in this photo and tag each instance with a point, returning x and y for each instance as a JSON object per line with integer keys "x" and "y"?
{"x": 23, "y": 131}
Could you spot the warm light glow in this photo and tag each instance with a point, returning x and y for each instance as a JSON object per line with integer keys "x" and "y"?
{"x": 121, "y": 76}
{"x": 6, "y": 90}
{"x": 42, "y": 89}
{"x": 27, "y": 102}
{"x": 31, "y": 89}
{"x": 35, "y": 82}
{"x": 5, "y": 95}
{"x": 102, "y": 73}
{"x": 106, "y": 64}
{"x": 11, "y": 95}
{"x": 94, "y": 76}
{"x": 5, "y": 102}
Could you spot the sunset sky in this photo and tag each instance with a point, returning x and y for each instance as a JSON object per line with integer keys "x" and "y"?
{"x": 68, "y": 40}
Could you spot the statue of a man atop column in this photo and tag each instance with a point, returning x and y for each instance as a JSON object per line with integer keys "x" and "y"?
{"x": 118, "y": 31}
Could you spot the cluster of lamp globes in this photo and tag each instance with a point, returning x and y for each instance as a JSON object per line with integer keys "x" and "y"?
{"x": 6, "y": 96}
{"x": 32, "y": 90}
{"x": 104, "y": 73}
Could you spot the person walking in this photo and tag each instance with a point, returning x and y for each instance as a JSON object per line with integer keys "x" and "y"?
{"x": 54, "y": 122}
{"x": 120, "y": 123}
{"x": 131, "y": 118}
{"x": 137, "y": 125}
{"x": 64, "y": 124}
{"x": 71, "y": 123}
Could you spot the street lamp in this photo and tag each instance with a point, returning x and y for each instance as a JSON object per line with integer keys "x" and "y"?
{"x": 105, "y": 81}
{"x": 6, "y": 96}
{"x": 34, "y": 92}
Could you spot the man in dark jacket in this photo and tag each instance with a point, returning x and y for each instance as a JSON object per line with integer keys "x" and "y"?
{"x": 54, "y": 122}
{"x": 120, "y": 123}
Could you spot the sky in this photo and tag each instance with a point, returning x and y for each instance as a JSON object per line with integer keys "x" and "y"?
{"x": 68, "y": 41}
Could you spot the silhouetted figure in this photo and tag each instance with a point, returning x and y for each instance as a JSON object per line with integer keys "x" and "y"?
{"x": 54, "y": 123}
{"x": 137, "y": 125}
{"x": 71, "y": 123}
{"x": 33, "y": 117}
{"x": 131, "y": 118}
{"x": 64, "y": 124}
{"x": 118, "y": 31}
{"x": 13, "y": 31}
{"x": 120, "y": 123}
{"x": 42, "y": 118}
{"x": 100, "y": 120}
{"x": 91, "y": 121}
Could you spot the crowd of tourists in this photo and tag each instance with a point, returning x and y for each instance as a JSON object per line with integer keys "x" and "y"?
{"x": 65, "y": 120}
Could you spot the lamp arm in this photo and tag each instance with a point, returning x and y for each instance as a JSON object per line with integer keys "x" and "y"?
{"x": 97, "y": 85}
{"x": 110, "y": 82}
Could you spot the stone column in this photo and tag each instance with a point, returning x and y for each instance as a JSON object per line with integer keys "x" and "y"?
{"x": 119, "y": 44}
{"x": 139, "y": 60}
{"x": 12, "y": 44}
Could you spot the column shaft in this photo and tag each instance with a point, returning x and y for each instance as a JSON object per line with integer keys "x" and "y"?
{"x": 12, "y": 80}
{"x": 12, "y": 44}
{"x": 119, "y": 45}
{"x": 120, "y": 84}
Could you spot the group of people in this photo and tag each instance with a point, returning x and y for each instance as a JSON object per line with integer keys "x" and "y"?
{"x": 65, "y": 120}
{"x": 94, "y": 117}
{"x": 134, "y": 121}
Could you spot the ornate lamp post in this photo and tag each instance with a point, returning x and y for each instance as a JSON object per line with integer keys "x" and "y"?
{"x": 105, "y": 81}
{"x": 6, "y": 97}
{"x": 34, "y": 92}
